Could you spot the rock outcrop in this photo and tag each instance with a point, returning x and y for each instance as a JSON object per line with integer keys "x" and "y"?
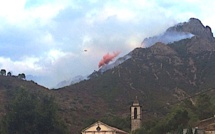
{"x": 193, "y": 26}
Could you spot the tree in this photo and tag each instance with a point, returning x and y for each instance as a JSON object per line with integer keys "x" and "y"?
{"x": 180, "y": 130}
{"x": 9, "y": 74}
{"x": 33, "y": 114}
{"x": 3, "y": 72}
{"x": 174, "y": 121}
{"x": 21, "y": 76}
{"x": 204, "y": 107}
{"x": 140, "y": 131}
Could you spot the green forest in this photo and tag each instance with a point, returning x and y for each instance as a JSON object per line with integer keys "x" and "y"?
{"x": 183, "y": 115}
{"x": 31, "y": 113}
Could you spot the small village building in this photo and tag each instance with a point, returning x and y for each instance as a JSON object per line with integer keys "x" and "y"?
{"x": 208, "y": 125}
{"x": 102, "y": 128}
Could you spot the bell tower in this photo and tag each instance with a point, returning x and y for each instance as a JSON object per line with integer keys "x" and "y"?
{"x": 136, "y": 115}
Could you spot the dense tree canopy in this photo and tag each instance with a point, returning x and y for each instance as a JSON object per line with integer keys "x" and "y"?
{"x": 204, "y": 107}
{"x": 32, "y": 114}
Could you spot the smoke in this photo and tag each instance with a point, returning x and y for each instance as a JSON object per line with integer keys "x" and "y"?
{"x": 107, "y": 58}
{"x": 70, "y": 81}
{"x": 116, "y": 63}
{"x": 167, "y": 37}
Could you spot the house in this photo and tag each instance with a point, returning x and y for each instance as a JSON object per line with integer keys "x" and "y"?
{"x": 208, "y": 125}
{"x": 102, "y": 128}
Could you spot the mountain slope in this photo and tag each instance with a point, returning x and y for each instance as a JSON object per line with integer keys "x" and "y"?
{"x": 159, "y": 76}
{"x": 9, "y": 84}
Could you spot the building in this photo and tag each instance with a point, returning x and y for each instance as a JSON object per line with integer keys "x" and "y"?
{"x": 102, "y": 128}
{"x": 208, "y": 125}
{"x": 136, "y": 115}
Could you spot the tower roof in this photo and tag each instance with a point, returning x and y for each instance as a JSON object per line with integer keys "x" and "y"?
{"x": 136, "y": 102}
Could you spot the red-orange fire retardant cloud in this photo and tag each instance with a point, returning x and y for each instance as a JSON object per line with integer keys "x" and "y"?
{"x": 107, "y": 58}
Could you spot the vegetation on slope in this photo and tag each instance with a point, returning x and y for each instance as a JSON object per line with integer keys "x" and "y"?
{"x": 32, "y": 114}
{"x": 159, "y": 76}
{"x": 182, "y": 115}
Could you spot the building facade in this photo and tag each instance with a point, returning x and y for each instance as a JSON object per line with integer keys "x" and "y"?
{"x": 207, "y": 125}
{"x": 102, "y": 128}
{"x": 136, "y": 115}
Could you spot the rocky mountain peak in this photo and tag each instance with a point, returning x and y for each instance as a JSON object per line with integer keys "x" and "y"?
{"x": 193, "y": 26}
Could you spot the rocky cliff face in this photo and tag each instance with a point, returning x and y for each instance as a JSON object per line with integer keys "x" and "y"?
{"x": 195, "y": 27}
{"x": 186, "y": 30}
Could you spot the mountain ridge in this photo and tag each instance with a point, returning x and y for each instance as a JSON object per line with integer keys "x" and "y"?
{"x": 159, "y": 76}
{"x": 193, "y": 26}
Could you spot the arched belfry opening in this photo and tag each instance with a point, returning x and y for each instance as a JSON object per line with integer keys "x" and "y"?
{"x": 136, "y": 115}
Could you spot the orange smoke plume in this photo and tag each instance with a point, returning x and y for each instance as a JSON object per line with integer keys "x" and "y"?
{"x": 107, "y": 58}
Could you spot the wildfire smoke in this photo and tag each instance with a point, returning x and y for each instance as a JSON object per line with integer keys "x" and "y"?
{"x": 107, "y": 58}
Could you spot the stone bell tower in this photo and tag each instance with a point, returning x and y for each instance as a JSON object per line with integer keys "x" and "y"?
{"x": 136, "y": 115}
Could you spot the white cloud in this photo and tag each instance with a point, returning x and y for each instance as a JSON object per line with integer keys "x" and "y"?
{"x": 27, "y": 65}
{"x": 11, "y": 9}
{"x": 16, "y": 12}
{"x": 54, "y": 55}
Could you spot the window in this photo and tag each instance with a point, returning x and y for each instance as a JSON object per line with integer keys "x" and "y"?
{"x": 135, "y": 113}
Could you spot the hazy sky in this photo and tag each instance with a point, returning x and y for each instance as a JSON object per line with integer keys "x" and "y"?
{"x": 47, "y": 38}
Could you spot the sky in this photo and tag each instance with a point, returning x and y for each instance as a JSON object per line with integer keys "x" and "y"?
{"x": 56, "y": 40}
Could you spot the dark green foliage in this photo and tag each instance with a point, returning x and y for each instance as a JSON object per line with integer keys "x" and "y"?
{"x": 182, "y": 116}
{"x": 191, "y": 109}
{"x": 116, "y": 121}
{"x": 204, "y": 107}
{"x": 148, "y": 125}
{"x": 189, "y": 130}
{"x": 30, "y": 113}
{"x": 89, "y": 122}
{"x": 21, "y": 76}
{"x": 3, "y": 72}
{"x": 180, "y": 130}
{"x": 175, "y": 121}
{"x": 140, "y": 131}
{"x": 9, "y": 74}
